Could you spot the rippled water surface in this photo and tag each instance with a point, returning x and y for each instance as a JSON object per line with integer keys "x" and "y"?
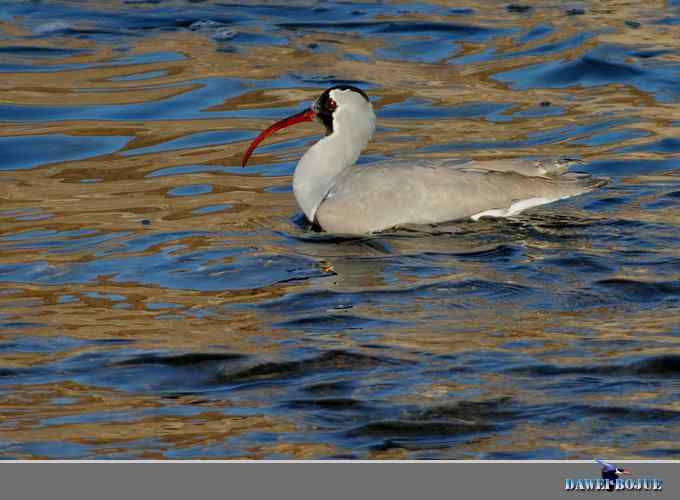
{"x": 158, "y": 301}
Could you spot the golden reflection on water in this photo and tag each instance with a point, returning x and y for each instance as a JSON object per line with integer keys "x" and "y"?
{"x": 115, "y": 192}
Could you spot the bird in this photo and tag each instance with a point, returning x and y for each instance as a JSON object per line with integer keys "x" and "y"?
{"x": 337, "y": 196}
{"x": 611, "y": 473}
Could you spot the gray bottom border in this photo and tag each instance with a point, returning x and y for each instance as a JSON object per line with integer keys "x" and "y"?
{"x": 318, "y": 480}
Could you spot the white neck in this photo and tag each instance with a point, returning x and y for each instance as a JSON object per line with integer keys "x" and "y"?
{"x": 317, "y": 170}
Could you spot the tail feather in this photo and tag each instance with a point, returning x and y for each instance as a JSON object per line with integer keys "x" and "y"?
{"x": 557, "y": 167}
{"x": 585, "y": 181}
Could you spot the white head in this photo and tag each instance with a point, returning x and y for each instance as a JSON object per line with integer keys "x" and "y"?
{"x": 347, "y": 111}
{"x": 348, "y": 116}
{"x": 344, "y": 109}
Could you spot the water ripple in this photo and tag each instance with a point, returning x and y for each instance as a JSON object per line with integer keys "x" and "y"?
{"x": 159, "y": 301}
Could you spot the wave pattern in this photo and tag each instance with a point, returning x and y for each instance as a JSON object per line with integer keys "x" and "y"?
{"x": 158, "y": 301}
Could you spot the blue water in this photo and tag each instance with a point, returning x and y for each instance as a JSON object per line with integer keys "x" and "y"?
{"x": 159, "y": 301}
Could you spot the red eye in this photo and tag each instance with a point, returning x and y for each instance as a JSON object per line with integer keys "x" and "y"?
{"x": 331, "y": 105}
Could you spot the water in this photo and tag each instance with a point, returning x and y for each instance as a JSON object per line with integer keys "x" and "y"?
{"x": 158, "y": 301}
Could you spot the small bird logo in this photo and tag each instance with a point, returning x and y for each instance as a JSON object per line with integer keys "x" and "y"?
{"x": 611, "y": 472}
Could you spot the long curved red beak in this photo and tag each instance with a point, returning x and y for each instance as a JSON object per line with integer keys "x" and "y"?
{"x": 304, "y": 116}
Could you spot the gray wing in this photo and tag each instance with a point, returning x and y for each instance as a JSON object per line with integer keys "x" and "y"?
{"x": 384, "y": 195}
{"x": 529, "y": 168}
